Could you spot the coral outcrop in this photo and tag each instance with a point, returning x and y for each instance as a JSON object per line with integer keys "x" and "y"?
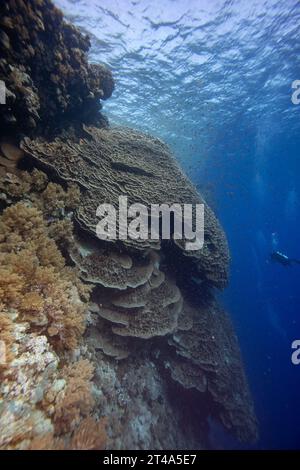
{"x": 137, "y": 294}
{"x": 206, "y": 357}
{"x": 139, "y": 303}
{"x": 42, "y": 321}
{"x": 116, "y": 344}
{"x": 43, "y": 64}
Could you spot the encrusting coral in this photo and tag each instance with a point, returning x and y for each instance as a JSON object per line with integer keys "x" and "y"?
{"x": 41, "y": 316}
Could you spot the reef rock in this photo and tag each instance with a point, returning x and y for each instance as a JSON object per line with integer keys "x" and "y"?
{"x": 206, "y": 357}
{"x": 43, "y": 64}
{"x": 109, "y": 163}
{"x": 138, "y": 295}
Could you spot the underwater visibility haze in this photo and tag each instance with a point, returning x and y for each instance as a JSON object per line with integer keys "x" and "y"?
{"x": 142, "y": 343}
{"x": 214, "y": 80}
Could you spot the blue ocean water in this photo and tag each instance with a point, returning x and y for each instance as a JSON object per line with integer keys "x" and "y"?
{"x": 213, "y": 78}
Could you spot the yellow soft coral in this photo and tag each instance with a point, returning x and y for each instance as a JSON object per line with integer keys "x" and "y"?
{"x": 76, "y": 400}
{"x": 61, "y": 231}
{"x": 54, "y": 199}
{"x": 25, "y": 223}
{"x": 11, "y": 285}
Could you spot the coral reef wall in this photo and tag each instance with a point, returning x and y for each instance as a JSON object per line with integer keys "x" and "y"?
{"x": 43, "y": 64}
{"x": 107, "y": 344}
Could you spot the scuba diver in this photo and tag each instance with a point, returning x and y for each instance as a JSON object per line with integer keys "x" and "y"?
{"x": 283, "y": 259}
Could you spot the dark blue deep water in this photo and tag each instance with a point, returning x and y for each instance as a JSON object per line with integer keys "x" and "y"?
{"x": 213, "y": 79}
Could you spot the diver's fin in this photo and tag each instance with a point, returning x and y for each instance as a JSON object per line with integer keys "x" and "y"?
{"x": 294, "y": 260}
